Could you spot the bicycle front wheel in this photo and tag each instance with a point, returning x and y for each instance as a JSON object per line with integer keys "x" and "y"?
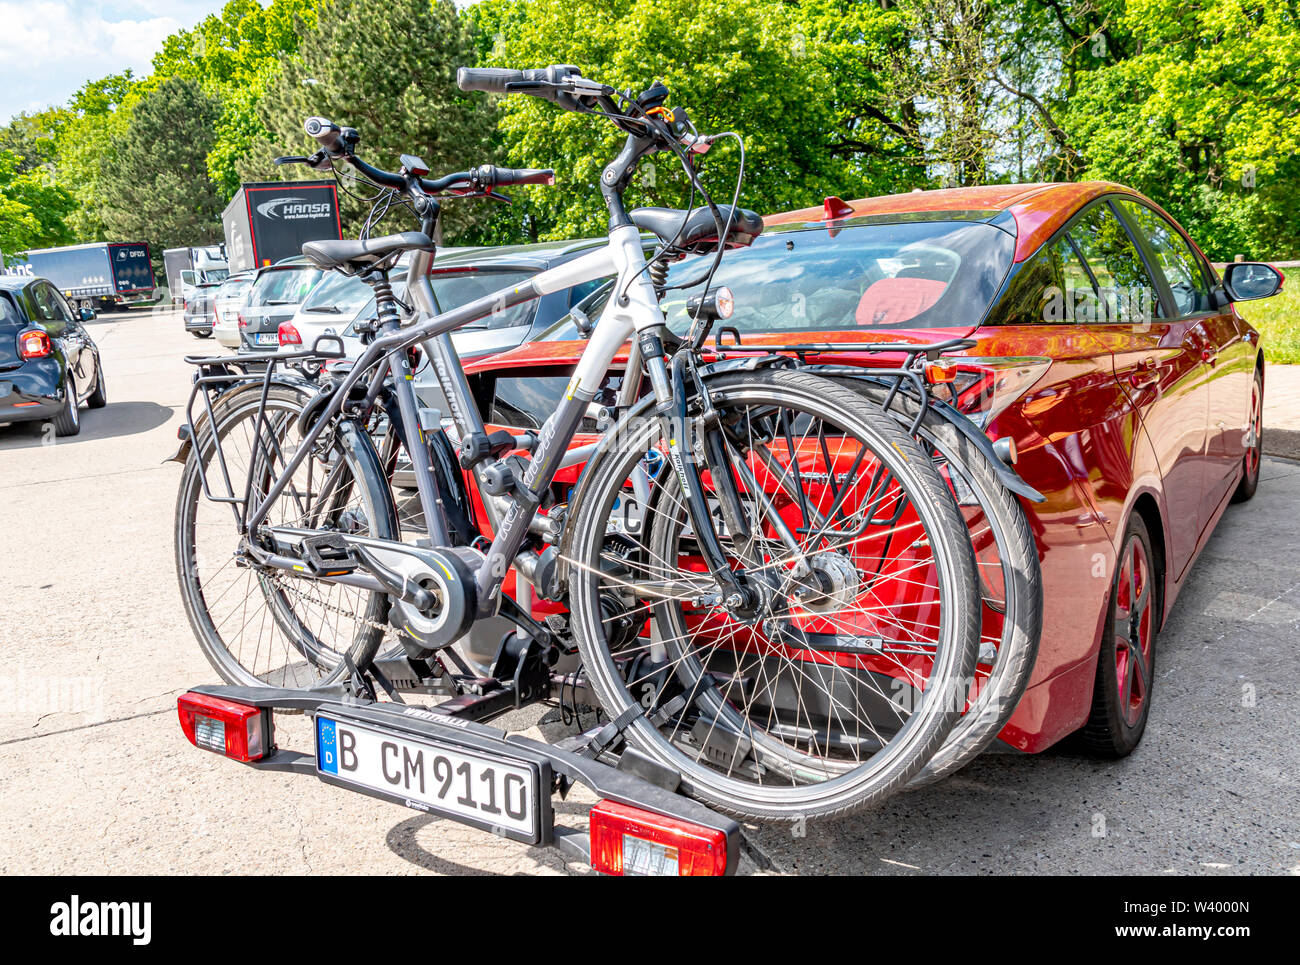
{"x": 842, "y": 683}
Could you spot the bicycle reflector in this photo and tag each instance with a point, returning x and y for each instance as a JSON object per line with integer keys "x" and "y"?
{"x": 626, "y": 840}
{"x": 233, "y": 730}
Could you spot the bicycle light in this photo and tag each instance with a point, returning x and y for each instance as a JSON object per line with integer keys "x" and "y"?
{"x": 627, "y": 840}
{"x": 234, "y": 730}
{"x": 717, "y": 303}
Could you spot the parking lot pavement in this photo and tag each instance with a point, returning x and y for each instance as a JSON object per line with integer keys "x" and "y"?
{"x": 98, "y": 779}
{"x": 1282, "y": 410}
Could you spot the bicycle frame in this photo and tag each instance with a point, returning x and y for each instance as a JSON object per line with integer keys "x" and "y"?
{"x": 638, "y": 311}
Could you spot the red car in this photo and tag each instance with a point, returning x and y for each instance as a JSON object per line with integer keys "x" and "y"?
{"x": 1107, "y": 349}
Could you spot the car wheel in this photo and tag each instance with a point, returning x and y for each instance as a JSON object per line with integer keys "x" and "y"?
{"x": 1121, "y": 699}
{"x": 68, "y": 422}
{"x": 203, "y": 334}
{"x": 1254, "y": 443}
{"x": 99, "y": 398}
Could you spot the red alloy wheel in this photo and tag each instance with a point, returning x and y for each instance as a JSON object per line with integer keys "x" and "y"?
{"x": 1133, "y": 630}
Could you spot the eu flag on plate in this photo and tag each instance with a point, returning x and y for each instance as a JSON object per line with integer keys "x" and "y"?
{"x": 327, "y": 746}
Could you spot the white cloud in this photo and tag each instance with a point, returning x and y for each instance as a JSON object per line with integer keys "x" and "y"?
{"x": 49, "y": 48}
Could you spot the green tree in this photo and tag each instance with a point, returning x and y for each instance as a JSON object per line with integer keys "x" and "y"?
{"x": 747, "y": 67}
{"x": 33, "y": 208}
{"x": 157, "y": 187}
{"x": 235, "y": 55}
{"x": 85, "y": 146}
{"x": 387, "y": 68}
{"x": 1201, "y": 111}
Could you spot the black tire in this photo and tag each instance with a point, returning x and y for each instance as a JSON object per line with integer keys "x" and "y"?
{"x": 1011, "y": 585}
{"x": 1121, "y": 698}
{"x": 803, "y": 781}
{"x": 99, "y": 398}
{"x": 68, "y": 422}
{"x": 203, "y": 334}
{"x": 1254, "y": 457}
{"x": 304, "y": 615}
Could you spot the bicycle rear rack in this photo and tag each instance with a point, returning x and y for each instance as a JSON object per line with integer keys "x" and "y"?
{"x": 216, "y": 375}
{"x": 910, "y": 373}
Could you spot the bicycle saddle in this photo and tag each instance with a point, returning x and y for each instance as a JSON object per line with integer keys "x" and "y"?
{"x": 700, "y": 232}
{"x": 359, "y": 255}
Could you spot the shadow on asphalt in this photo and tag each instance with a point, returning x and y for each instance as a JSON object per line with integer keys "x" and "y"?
{"x": 1282, "y": 442}
{"x": 115, "y": 419}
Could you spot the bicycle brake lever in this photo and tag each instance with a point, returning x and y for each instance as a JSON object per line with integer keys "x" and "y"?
{"x": 292, "y": 159}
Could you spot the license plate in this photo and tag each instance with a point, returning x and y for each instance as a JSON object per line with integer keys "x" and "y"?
{"x": 488, "y": 792}
{"x": 266, "y": 338}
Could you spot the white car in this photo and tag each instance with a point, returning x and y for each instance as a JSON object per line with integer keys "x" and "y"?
{"x": 226, "y": 304}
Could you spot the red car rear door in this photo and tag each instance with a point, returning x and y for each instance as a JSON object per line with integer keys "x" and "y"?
{"x": 1221, "y": 343}
{"x": 1158, "y": 364}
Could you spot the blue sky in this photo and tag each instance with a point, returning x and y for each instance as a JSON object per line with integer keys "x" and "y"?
{"x": 49, "y": 48}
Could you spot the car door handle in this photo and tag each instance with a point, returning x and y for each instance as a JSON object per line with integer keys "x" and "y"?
{"x": 1145, "y": 374}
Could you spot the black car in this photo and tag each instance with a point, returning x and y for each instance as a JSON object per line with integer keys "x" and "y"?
{"x": 48, "y": 364}
{"x": 201, "y": 308}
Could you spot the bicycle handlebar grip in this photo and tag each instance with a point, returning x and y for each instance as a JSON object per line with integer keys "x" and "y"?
{"x": 490, "y": 80}
{"x": 507, "y": 176}
{"x": 326, "y": 133}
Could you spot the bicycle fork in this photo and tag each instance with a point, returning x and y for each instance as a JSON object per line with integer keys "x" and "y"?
{"x": 672, "y": 397}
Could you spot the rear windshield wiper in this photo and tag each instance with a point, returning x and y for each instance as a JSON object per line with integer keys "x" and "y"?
{"x": 331, "y": 309}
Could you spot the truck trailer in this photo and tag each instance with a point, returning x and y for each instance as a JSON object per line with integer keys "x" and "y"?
{"x": 267, "y": 222}
{"x": 187, "y": 268}
{"x": 101, "y": 274}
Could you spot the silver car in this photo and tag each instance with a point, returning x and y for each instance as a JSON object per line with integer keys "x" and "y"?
{"x": 227, "y": 302}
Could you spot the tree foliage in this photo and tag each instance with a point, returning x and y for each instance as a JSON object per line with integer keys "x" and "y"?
{"x": 1194, "y": 102}
{"x": 33, "y": 208}
{"x": 742, "y": 67}
{"x": 157, "y": 187}
{"x": 387, "y": 68}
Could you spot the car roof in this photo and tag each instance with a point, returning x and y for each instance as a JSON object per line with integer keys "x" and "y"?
{"x": 535, "y": 256}
{"x": 1038, "y": 210}
{"x": 15, "y": 282}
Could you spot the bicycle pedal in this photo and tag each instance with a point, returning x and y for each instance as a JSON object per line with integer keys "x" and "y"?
{"x": 328, "y": 554}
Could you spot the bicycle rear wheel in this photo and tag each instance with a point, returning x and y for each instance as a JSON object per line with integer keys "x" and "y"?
{"x": 839, "y": 688}
{"x": 1010, "y": 582}
{"x": 263, "y": 625}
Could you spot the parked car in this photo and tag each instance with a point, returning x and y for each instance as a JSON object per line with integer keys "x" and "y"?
{"x": 49, "y": 365}
{"x": 227, "y": 302}
{"x": 1107, "y": 350}
{"x": 200, "y": 309}
{"x": 274, "y": 298}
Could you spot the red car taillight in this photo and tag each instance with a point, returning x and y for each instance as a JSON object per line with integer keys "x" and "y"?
{"x": 34, "y": 345}
{"x": 233, "y": 730}
{"x": 985, "y": 387}
{"x": 629, "y": 841}
{"x": 243, "y": 322}
{"x": 289, "y": 335}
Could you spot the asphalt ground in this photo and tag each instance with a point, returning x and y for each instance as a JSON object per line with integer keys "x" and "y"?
{"x": 97, "y": 777}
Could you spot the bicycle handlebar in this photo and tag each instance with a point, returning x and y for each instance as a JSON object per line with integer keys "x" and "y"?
{"x": 496, "y": 80}
{"x": 339, "y": 143}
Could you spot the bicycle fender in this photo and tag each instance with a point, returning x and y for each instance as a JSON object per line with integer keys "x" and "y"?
{"x": 967, "y": 427}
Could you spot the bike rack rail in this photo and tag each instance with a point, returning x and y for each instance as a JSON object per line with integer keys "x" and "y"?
{"x": 634, "y": 780}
